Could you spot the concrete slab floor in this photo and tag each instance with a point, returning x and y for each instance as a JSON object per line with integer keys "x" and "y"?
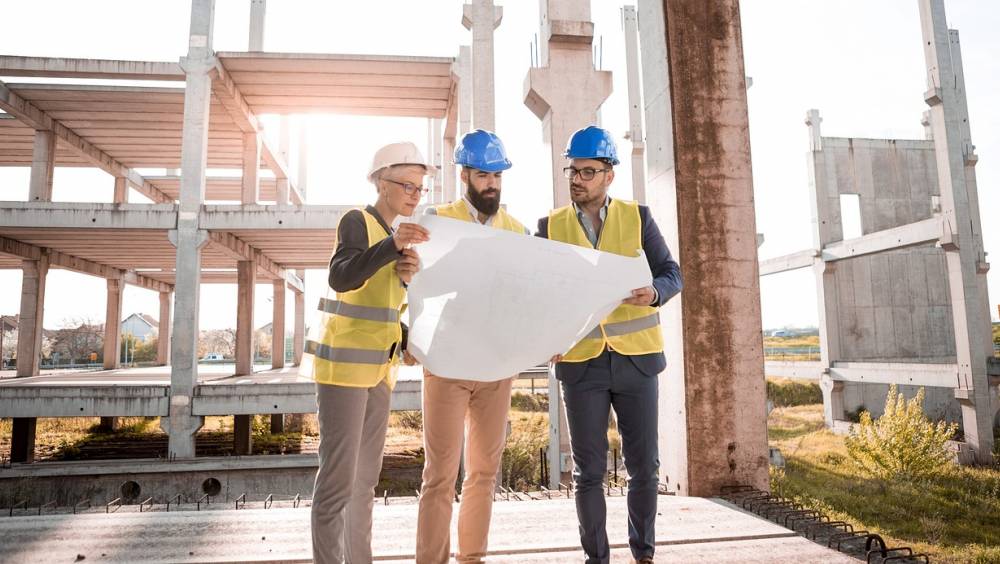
{"x": 689, "y": 530}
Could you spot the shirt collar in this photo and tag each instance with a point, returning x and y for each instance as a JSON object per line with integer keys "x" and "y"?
{"x": 604, "y": 208}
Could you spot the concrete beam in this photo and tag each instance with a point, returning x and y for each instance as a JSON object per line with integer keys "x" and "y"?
{"x": 246, "y": 283}
{"x": 250, "y": 180}
{"x": 33, "y": 117}
{"x": 918, "y": 233}
{"x": 242, "y": 251}
{"x": 112, "y": 324}
{"x": 68, "y": 215}
{"x": 84, "y": 401}
{"x": 258, "y": 8}
{"x": 295, "y": 281}
{"x": 727, "y": 428}
{"x": 229, "y": 218}
{"x": 249, "y": 399}
{"x": 89, "y": 68}
{"x": 794, "y": 261}
{"x": 27, "y": 251}
{"x": 29, "y": 327}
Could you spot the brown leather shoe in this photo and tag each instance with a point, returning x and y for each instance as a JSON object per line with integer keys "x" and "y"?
{"x": 645, "y": 560}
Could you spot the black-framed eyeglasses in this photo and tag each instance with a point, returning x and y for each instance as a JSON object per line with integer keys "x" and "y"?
{"x": 586, "y": 173}
{"x": 408, "y": 188}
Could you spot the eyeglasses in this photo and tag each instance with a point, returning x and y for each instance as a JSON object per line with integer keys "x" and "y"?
{"x": 408, "y": 188}
{"x": 585, "y": 173}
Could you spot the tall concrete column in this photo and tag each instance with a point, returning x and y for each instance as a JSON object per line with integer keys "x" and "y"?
{"x": 713, "y": 421}
{"x": 243, "y": 434}
{"x": 258, "y": 9}
{"x": 43, "y": 162}
{"x": 163, "y": 336}
{"x": 121, "y": 190}
{"x": 250, "y": 186}
{"x": 22, "y": 443}
{"x": 482, "y": 17}
{"x": 302, "y": 178}
{"x": 299, "y": 334}
{"x": 438, "y": 186}
{"x": 282, "y": 188}
{"x": 29, "y": 327}
{"x": 635, "y": 133}
{"x": 113, "y": 324}
{"x": 182, "y": 424}
{"x": 962, "y": 257}
{"x": 278, "y": 326}
{"x": 565, "y": 92}
{"x": 448, "y": 170}
{"x": 824, "y": 202}
{"x": 246, "y": 280}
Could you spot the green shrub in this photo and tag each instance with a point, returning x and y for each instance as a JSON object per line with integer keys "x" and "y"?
{"x": 520, "y": 461}
{"x": 410, "y": 419}
{"x": 902, "y": 443}
{"x": 788, "y": 393}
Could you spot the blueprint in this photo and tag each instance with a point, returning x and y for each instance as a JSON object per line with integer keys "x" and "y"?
{"x": 489, "y": 303}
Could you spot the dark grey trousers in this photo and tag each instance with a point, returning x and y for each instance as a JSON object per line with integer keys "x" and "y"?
{"x": 613, "y": 381}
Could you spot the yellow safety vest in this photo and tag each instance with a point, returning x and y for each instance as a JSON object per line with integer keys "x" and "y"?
{"x": 460, "y": 210}
{"x": 629, "y": 330}
{"x": 359, "y": 332}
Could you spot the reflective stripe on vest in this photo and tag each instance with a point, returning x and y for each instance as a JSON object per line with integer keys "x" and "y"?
{"x": 460, "y": 210}
{"x": 358, "y": 330}
{"x": 338, "y": 307}
{"x": 629, "y": 329}
{"x": 353, "y": 356}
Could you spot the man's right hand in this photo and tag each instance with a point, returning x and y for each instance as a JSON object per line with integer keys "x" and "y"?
{"x": 555, "y": 358}
{"x": 410, "y": 234}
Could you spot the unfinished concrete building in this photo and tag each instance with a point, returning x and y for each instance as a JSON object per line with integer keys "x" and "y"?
{"x": 712, "y": 433}
{"x": 906, "y": 302}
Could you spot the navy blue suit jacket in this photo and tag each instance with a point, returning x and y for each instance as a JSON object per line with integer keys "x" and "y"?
{"x": 666, "y": 279}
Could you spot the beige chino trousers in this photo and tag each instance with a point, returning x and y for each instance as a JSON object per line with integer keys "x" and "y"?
{"x": 450, "y": 407}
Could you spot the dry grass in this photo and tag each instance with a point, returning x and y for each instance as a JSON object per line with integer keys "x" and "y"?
{"x": 803, "y": 341}
{"x": 951, "y": 518}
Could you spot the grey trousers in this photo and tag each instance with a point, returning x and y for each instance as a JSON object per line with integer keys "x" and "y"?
{"x": 613, "y": 381}
{"x": 352, "y": 424}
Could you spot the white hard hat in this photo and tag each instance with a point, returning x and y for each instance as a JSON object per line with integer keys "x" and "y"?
{"x": 398, "y": 154}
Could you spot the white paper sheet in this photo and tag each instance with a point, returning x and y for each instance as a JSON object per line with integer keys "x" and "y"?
{"x": 488, "y": 303}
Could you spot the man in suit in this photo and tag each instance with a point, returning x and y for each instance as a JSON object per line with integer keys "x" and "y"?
{"x": 617, "y": 365}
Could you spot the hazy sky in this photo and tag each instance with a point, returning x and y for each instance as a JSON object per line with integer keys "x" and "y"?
{"x": 859, "y": 62}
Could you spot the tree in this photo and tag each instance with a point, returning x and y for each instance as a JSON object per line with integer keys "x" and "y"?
{"x": 77, "y": 339}
{"x": 9, "y": 349}
{"x": 217, "y": 340}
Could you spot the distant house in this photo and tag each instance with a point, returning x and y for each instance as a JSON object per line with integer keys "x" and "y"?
{"x": 142, "y": 326}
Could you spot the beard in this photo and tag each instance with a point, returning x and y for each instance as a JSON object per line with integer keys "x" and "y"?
{"x": 487, "y": 206}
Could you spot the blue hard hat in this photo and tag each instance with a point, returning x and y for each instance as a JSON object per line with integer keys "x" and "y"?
{"x": 592, "y": 142}
{"x": 482, "y": 150}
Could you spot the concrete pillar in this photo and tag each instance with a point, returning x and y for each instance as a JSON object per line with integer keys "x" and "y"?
{"x": 717, "y": 406}
{"x": 448, "y": 170}
{"x": 121, "y": 190}
{"x": 257, "y": 10}
{"x": 299, "y": 334}
{"x": 824, "y": 202}
{"x": 565, "y": 92}
{"x": 438, "y": 186}
{"x": 29, "y": 328}
{"x": 635, "y": 133}
{"x": 278, "y": 326}
{"x": 181, "y": 425}
{"x": 302, "y": 178}
{"x": 250, "y": 187}
{"x": 246, "y": 279}
{"x": 22, "y": 444}
{"x": 482, "y": 17}
{"x": 43, "y": 161}
{"x": 282, "y": 191}
{"x": 108, "y": 424}
{"x": 163, "y": 335}
{"x": 961, "y": 255}
{"x": 243, "y": 434}
{"x": 277, "y": 423}
{"x": 113, "y": 324}
{"x": 284, "y": 153}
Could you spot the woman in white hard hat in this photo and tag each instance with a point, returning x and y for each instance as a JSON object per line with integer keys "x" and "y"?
{"x": 356, "y": 349}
